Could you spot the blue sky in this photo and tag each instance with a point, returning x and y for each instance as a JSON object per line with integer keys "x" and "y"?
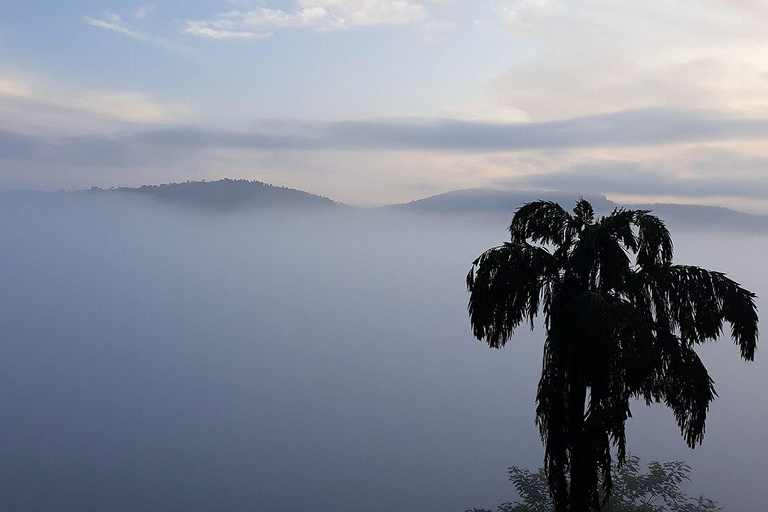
{"x": 382, "y": 69}
{"x": 373, "y": 101}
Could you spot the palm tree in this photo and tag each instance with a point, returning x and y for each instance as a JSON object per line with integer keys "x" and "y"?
{"x": 621, "y": 322}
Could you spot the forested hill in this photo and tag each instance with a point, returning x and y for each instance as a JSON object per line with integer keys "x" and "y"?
{"x": 227, "y": 194}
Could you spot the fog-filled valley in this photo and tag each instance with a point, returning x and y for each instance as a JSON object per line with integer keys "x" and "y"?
{"x": 159, "y": 357}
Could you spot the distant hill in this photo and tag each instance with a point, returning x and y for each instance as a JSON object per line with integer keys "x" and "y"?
{"x": 226, "y": 195}
{"x": 489, "y": 200}
{"x": 500, "y": 204}
{"x": 704, "y": 217}
{"x": 481, "y": 204}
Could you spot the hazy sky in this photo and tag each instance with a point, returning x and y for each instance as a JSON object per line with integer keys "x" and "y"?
{"x": 373, "y": 101}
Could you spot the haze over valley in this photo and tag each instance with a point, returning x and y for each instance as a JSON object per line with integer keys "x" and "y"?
{"x": 166, "y": 355}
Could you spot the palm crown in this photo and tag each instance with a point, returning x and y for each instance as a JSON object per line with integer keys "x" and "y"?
{"x": 621, "y": 322}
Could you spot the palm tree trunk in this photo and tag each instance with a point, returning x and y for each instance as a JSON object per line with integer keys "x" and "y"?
{"x": 579, "y": 486}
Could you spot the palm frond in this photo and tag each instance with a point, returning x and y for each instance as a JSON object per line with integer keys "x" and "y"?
{"x": 543, "y": 222}
{"x": 506, "y": 286}
{"x": 701, "y": 300}
{"x": 654, "y": 241}
{"x": 618, "y": 227}
{"x": 686, "y": 388}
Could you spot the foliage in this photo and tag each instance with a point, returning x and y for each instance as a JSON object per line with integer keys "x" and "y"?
{"x": 621, "y": 323}
{"x": 657, "y": 490}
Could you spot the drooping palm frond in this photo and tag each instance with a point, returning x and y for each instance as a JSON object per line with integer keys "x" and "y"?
{"x": 686, "y": 388}
{"x": 617, "y": 227}
{"x": 506, "y": 285}
{"x": 700, "y": 301}
{"x": 655, "y": 246}
{"x": 542, "y": 222}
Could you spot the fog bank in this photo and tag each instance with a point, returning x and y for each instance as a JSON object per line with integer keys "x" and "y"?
{"x": 158, "y": 358}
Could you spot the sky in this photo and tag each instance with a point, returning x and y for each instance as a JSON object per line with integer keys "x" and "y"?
{"x": 379, "y": 101}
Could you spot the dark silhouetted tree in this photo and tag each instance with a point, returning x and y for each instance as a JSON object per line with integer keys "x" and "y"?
{"x": 657, "y": 490}
{"x": 621, "y": 322}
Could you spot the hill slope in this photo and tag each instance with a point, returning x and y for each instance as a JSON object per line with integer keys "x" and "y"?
{"x": 227, "y": 194}
{"x": 500, "y": 204}
{"x": 489, "y": 204}
{"x": 488, "y": 200}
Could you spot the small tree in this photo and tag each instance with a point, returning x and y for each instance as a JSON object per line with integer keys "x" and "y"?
{"x": 657, "y": 490}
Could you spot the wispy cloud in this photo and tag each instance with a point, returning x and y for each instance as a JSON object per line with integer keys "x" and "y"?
{"x": 630, "y": 129}
{"x": 638, "y": 179}
{"x": 623, "y": 129}
{"x": 14, "y": 87}
{"x": 209, "y": 30}
{"x": 310, "y": 14}
{"x": 144, "y": 12}
{"x": 115, "y": 23}
{"x": 35, "y": 105}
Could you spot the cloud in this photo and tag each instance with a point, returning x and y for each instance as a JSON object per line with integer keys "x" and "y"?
{"x": 309, "y": 14}
{"x": 34, "y": 105}
{"x": 596, "y": 56}
{"x": 128, "y": 106}
{"x": 14, "y": 88}
{"x": 437, "y": 32}
{"x": 652, "y": 153}
{"x": 516, "y": 13}
{"x": 637, "y": 179}
{"x": 630, "y": 129}
{"x": 144, "y": 12}
{"x": 206, "y": 29}
{"x": 114, "y": 23}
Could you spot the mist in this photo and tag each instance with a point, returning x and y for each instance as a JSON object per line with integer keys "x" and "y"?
{"x": 155, "y": 357}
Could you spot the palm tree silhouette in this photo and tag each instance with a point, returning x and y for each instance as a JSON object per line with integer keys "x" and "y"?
{"x": 621, "y": 322}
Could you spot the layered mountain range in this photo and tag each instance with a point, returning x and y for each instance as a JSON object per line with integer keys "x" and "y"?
{"x": 229, "y": 195}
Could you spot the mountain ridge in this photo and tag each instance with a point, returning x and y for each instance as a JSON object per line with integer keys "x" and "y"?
{"x": 497, "y": 203}
{"x": 229, "y": 195}
{"x": 225, "y": 195}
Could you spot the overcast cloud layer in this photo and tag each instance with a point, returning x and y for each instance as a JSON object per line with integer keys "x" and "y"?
{"x": 376, "y": 101}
